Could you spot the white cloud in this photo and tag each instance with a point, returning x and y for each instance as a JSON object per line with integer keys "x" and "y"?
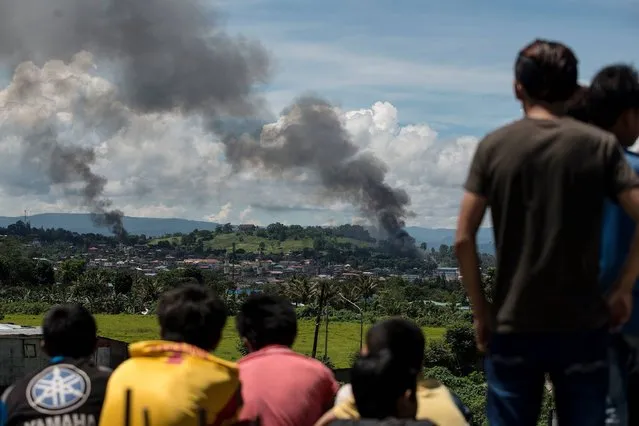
{"x": 223, "y": 214}
{"x": 165, "y": 165}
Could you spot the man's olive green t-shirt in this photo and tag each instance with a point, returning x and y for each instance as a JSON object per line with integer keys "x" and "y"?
{"x": 545, "y": 182}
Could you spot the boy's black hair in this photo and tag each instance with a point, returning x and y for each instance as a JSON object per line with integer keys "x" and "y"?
{"x": 614, "y": 90}
{"x": 192, "y": 314}
{"x": 267, "y": 320}
{"x": 378, "y": 381}
{"x": 403, "y": 338}
{"x": 547, "y": 71}
{"x": 69, "y": 330}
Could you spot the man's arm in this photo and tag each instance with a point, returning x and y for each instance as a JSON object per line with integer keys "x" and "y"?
{"x": 629, "y": 200}
{"x": 471, "y": 214}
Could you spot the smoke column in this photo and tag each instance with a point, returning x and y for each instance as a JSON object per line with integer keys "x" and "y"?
{"x": 45, "y": 107}
{"x": 168, "y": 54}
{"x": 174, "y": 56}
{"x": 310, "y": 135}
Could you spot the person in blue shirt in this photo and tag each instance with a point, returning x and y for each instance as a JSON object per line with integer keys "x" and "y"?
{"x": 70, "y": 389}
{"x": 612, "y": 103}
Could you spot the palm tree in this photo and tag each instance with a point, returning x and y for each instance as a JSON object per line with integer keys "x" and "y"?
{"x": 300, "y": 290}
{"x": 367, "y": 286}
{"x": 351, "y": 290}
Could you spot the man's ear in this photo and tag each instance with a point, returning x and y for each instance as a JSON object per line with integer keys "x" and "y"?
{"x": 247, "y": 344}
{"x": 43, "y": 345}
{"x": 364, "y": 350}
{"x": 519, "y": 91}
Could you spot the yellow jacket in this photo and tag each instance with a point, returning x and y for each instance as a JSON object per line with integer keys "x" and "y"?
{"x": 173, "y": 382}
{"x": 434, "y": 402}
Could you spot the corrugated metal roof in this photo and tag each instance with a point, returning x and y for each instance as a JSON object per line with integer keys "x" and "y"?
{"x": 19, "y": 330}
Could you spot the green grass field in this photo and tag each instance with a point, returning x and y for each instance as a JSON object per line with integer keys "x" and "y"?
{"x": 251, "y": 243}
{"x": 343, "y": 338}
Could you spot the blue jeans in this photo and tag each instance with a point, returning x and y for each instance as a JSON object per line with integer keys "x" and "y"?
{"x": 623, "y": 370}
{"x": 577, "y": 363}
{"x": 617, "y": 411}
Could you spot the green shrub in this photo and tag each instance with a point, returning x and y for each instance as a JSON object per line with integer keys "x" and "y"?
{"x": 25, "y": 308}
{"x": 471, "y": 392}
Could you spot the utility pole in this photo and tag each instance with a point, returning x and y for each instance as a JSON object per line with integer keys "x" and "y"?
{"x": 326, "y": 335}
{"x": 233, "y": 268}
{"x": 361, "y": 319}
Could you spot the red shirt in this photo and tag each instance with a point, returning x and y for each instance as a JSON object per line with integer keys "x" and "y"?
{"x": 285, "y": 388}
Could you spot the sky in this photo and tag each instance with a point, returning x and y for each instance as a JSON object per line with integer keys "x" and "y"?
{"x": 417, "y": 85}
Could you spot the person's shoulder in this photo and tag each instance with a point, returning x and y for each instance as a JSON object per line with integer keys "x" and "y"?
{"x": 24, "y": 381}
{"x": 585, "y": 130}
{"x": 223, "y": 364}
{"x": 495, "y": 139}
{"x": 5, "y": 395}
{"x": 285, "y": 355}
{"x": 93, "y": 369}
{"x": 217, "y": 370}
{"x": 127, "y": 372}
{"x": 504, "y": 131}
{"x": 428, "y": 388}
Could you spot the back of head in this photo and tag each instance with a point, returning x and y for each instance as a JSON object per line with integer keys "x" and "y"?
{"x": 577, "y": 106}
{"x": 380, "y": 382}
{"x": 547, "y": 72}
{"x": 69, "y": 331}
{"x": 266, "y": 320}
{"x": 613, "y": 91}
{"x": 192, "y": 314}
{"x": 403, "y": 338}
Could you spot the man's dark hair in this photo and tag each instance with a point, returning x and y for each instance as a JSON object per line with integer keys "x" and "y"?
{"x": 613, "y": 91}
{"x": 547, "y": 71}
{"x": 192, "y": 314}
{"x": 69, "y": 330}
{"x": 378, "y": 380}
{"x": 267, "y": 320}
{"x": 401, "y": 337}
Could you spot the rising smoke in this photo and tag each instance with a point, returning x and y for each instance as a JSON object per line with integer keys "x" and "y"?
{"x": 311, "y": 136}
{"x": 45, "y": 108}
{"x": 174, "y": 56}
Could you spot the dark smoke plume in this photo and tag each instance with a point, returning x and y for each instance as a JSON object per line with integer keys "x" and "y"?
{"x": 311, "y": 136}
{"x": 31, "y": 107}
{"x": 168, "y": 55}
{"x": 172, "y": 55}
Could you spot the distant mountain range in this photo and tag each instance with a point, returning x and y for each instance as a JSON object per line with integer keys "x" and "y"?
{"x": 155, "y": 227}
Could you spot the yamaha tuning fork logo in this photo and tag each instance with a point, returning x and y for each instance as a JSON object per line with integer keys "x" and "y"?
{"x": 58, "y": 389}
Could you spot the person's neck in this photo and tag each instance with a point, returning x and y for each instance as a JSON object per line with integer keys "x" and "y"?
{"x": 543, "y": 110}
{"x": 538, "y": 112}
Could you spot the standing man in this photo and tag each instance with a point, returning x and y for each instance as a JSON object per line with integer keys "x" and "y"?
{"x": 544, "y": 178}
{"x": 612, "y": 103}
{"x": 70, "y": 390}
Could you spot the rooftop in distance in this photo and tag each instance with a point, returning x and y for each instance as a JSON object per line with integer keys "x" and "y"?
{"x": 7, "y": 329}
